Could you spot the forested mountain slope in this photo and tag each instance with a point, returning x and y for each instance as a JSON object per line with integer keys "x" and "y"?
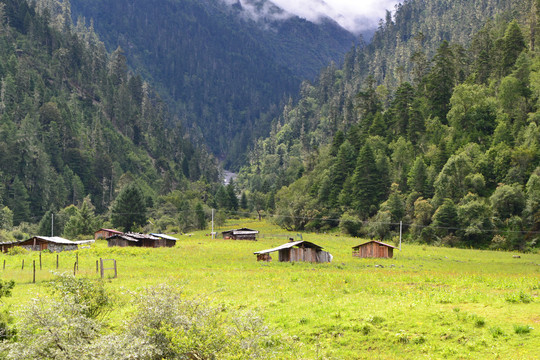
{"x": 224, "y": 71}
{"x": 74, "y": 122}
{"x": 451, "y": 150}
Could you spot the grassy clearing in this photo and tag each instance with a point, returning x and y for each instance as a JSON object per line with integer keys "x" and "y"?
{"x": 426, "y": 302}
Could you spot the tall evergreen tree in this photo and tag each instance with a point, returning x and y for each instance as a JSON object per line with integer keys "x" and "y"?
{"x": 512, "y": 45}
{"x": 441, "y": 81}
{"x": 129, "y": 209}
{"x": 365, "y": 183}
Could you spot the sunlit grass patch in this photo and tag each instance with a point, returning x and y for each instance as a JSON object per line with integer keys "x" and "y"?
{"x": 426, "y": 302}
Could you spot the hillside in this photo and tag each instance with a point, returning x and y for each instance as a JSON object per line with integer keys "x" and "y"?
{"x": 448, "y": 144}
{"x": 75, "y": 122}
{"x": 224, "y": 71}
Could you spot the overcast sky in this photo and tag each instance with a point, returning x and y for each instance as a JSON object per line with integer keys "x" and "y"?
{"x": 353, "y": 15}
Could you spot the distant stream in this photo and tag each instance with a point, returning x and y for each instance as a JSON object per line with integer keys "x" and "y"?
{"x": 227, "y": 176}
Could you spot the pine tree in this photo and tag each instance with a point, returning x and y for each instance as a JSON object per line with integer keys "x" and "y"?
{"x": 400, "y": 108}
{"x": 200, "y": 217}
{"x": 129, "y": 209}
{"x": 19, "y": 202}
{"x": 365, "y": 185}
{"x": 417, "y": 177}
{"x": 445, "y": 219}
{"x": 441, "y": 81}
{"x": 513, "y": 44}
{"x": 342, "y": 168}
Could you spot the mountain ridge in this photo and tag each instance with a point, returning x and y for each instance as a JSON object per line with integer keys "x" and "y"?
{"x": 222, "y": 74}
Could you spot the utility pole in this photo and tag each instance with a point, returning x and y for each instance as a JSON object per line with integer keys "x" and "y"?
{"x": 212, "y": 224}
{"x": 52, "y": 224}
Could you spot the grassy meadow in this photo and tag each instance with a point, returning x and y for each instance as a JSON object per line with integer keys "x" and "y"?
{"x": 425, "y": 303}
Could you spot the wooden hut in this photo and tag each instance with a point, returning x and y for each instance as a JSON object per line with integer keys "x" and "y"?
{"x": 240, "y": 234}
{"x": 297, "y": 251}
{"x": 166, "y": 240}
{"x": 374, "y": 249}
{"x": 39, "y": 243}
{"x": 140, "y": 240}
{"x": 105, "y": 233}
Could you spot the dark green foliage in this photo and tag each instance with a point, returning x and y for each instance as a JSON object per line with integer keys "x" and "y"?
{"x": 460, "y": 143}
{"x": 441, "y": 81}
{"x": 513, "y": 44}
{"x": 129, "y": 208}
{"x": 445, "y": 219}
{"x": 221, "y": 71}
{"x": 365, "y": 183}
{"x": 6, "y": 287}
{"x": 72, "y": 122}
{"x": 200, "y": 216}
{"x": 507, "y": 201}
{"x": 5, "y": 291}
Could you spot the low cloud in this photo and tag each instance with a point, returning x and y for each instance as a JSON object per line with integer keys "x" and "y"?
{"x": 353, "y": 15}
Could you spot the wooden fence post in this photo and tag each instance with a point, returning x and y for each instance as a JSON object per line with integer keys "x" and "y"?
{"x": 22, "y": 268}
{"x": 56, "y": 261}
{"x": 40, "y": 260}
{"x": 97, "y": 266}
{"x": 74, "y": 269}
{"x": 34, "y": 276}
{"x": 77, "y": 256}
{"x": 4, "y": 264}
{"x": 115, "y": 272}
{"x": 101, "y": 266}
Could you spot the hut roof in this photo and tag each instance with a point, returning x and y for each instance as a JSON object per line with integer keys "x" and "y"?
{"x": 53, "y": 239}
{"x": 134, "y": 237}
{"x": 111, "y": 231}
{"x": 374, "y": 241}
{"x": 306, "y": 244}
{"x": 164, "y": 236}
{"x": 242, "y": 231}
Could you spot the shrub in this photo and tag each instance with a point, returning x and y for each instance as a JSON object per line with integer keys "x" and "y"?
{"x": 91, "y": 294}
{"x": 5, "y": 319}
{"x": 496, "y": 331}
{"x": 520, "y": 297}
{"x": 522, "y": 329}
{"x": 164, "y": 326}
{"x": 17, "y": 250}
{"x": 178, "y": 328}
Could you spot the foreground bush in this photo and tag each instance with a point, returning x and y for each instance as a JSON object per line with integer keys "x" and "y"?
{"x": 164, "y": 325}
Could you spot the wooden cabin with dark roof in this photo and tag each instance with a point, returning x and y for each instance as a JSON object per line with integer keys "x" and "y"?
{"x": 373, "y": 249}
{"x": 240, "y": 234}
{"x": 39, "y": 243}
{"x": 139, "y": 240}
{"x": 105, "y": 233}
{"x": 296, "y": 251}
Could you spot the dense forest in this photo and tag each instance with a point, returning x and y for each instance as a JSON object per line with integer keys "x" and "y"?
{"x": 446, "y": 142}
{"x": 77, "y": 126}
{"x": 223, "y": 72}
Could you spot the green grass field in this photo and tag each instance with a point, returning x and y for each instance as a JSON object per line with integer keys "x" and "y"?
{"x": 425, "y": 303}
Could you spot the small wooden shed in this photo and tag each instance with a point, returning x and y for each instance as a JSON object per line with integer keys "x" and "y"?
{"x": 139, "y": 240}
{"x": 373, "y": 249}
{"x": 39, "y": 243}
{"x": 240, "y": 234}
{"x": 296, "y": 251}
{"x": 166, "y": 240}
{"x": 105, "y": 233}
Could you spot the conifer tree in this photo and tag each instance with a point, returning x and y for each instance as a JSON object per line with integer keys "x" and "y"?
{"x": 441, "y": 81}
{"x": 513, "y": 44}
{"x": 129, "y": 209}
{"x": 365, "y": 182}
{"x": 417, "y": 177}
